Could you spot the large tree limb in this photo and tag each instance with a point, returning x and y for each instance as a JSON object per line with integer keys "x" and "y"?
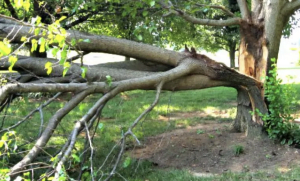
{"x": 244, "y": 9}
{"x": 290, "y": 7}
{"x": 207, "y": 67}
{"x": 46, "y": 135}
{"x": 102, "y": 44}
{"x": 183, "y": 69}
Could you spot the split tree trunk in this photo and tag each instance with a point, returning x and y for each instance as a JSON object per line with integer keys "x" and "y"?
{"x": 252, "y": 62}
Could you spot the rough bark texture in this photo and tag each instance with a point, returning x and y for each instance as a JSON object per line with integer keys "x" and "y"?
{"x": 260, "y": 41}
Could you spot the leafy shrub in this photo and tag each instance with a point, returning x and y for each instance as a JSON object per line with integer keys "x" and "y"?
{"x": 278, "y": 122}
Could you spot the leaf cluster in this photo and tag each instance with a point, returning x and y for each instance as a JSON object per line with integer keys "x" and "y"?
{"x": 279, "y": 122}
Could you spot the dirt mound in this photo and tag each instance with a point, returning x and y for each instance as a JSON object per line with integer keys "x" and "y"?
{"x": 212, "y": 148}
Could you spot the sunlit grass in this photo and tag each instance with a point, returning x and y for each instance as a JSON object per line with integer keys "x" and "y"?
{"x": 120, "y": 113}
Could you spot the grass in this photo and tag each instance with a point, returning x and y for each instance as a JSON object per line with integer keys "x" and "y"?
{"x": 118, "y": 115}
{"x": 238, "y": 149}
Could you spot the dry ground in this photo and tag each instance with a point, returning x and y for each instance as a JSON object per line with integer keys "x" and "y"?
{"x": 210, "y": 148}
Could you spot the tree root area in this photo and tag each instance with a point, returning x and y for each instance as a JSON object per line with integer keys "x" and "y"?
{"x": 212, "y": 148}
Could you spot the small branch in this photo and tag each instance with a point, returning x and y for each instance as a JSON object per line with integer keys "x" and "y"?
{"x": 92, "y": 150}
{"x": 30, "y": 114}
{"x": 8, "y": 101}
{"x": 129, "y": 131}
{"x": 70, "y": 87}
{"x": 79, "y": 124}
{"x": 244, "y": 9}
{"x": 226, "y": 11}
{"x": 47, "y": 133}
{"x": 81, "y": 19}
{"x": 42, "y": 121}
{"x": 191, "y": 19}
{"x": 71, "y": 59}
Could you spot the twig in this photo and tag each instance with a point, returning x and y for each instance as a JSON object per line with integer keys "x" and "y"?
{"x": 129, "y": 131}
{"x": 92, "y": 150}
{"x": 42, "y": 120}
{"x": 31, "y": 113}
{"x": 77, "y": 56}
{"x": 5, "y": 113}
{"x": 226, "y": 11}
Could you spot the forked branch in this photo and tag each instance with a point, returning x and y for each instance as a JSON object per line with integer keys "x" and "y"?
{"x": 194, "y": 20}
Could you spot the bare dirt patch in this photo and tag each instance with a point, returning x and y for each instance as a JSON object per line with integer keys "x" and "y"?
{"x": 211, "y": 148}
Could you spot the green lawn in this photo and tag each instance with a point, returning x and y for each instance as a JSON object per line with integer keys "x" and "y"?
{"x": 120, "y": 113}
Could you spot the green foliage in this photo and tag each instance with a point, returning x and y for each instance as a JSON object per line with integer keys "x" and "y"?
{"x": 238, "y": 149}
{"x": 8, "y": 146}
{"x": 291, "y": 25}
{"x": 282, "y": 100}
{"x": 199, "y": 131}
{"x": 8, "y": 143}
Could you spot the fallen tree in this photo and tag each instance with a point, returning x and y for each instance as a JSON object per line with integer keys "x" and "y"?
{"x": 172, "y": 71}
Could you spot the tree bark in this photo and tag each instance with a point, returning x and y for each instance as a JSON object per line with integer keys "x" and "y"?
{"x": 232, "y": 55}
{"x": 260, "y": 41}
{"x": 252, "y": 62}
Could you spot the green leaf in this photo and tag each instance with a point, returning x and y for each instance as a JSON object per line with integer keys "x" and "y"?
{"x": 76, "y": 158}
{"x": 26, "y": 5}
{"x": 84, "y": 167}
{"x": 83, "y": 72}
{"x": 63, "y": 56}
{"x": 108, "y": 80}
{"x": 152, "y": 3}
{"x": 1, "y": 143}
{"x": 65, "y": 71}
{"x": 66, "y": 68}
{"x": 23, "y": 38}
{"x": 60, "y": 39}
{"x": 5, "y": 48}
{"x": 42, "y": 42}
{"x": 73, "y": 42}
{"x": 37, "y": 31}
{"x": 12, "y": 60}
{"x": 54, "y": 51}
{"x": 62, "y": 18}
{"x": 18, "y": 3}
{"x": 48, "y": 67}
{"x": 33, "y": 45}
{"x": 145, "y": 13}
{"x": 139, "y": 37}
{"x": 86, "y": 40}
{"x": 126, "y": 162}
{"x": 4, "y": 137}
{"x": 67, "y": 65}
{"x": 100, "y": 126}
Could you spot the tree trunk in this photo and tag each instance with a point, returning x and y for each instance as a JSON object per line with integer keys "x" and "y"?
{"x": 252, "y": 62}
{"x": 260, "y": 41}
{"x": 232, "y": 55}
